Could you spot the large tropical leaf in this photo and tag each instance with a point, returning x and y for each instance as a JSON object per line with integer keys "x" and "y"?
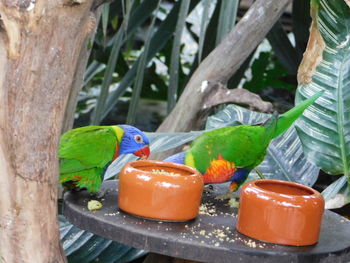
{"x": 324, "y": 128}
{"x": 82, "y": 246}
{"x": 336, "y": 194}
{"x": 284, "y": 160}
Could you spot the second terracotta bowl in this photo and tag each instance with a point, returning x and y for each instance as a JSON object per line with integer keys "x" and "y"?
{"x": 160, "y": 190}
{"x": 280, "y": 212}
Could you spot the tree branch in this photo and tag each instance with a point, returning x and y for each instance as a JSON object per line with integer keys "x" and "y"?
{"x": 237, "y": 96}
{"x": 222, "y": 63}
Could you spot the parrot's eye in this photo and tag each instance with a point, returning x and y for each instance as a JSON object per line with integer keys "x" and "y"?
{"x": 138, "y": 138}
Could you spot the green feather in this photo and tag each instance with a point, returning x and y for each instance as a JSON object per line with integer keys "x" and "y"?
{"x": 270, "y": 127}
{"x": 82, "y": 160}
{"x": 287, "y": 119}
{"x": 89, "y": 179}
{"x": 244, "y": 145}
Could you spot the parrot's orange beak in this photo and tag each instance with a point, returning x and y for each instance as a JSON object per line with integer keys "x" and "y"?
{"x": 143, "y": 152}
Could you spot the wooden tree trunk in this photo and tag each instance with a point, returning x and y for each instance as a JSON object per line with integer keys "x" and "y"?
{"x": 41, "y": 43}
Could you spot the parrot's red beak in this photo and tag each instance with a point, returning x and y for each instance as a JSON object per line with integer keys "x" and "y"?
{"x": 143, "y": 152}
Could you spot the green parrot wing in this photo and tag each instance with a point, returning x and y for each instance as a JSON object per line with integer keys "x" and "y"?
{"x": 243, "y": 145}
{"x": 88, "y": 178}
{"x": 71, "y": 165}
{"x": 87, "y": 147}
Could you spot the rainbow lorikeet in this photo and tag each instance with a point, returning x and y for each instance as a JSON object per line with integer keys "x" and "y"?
{"x": 229, "y": 154}
{"x": 86, "y": 152}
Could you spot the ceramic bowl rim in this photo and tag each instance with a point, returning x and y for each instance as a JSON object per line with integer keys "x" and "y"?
{"x": 255, "y": 184}
{"x": 191, "y": 171}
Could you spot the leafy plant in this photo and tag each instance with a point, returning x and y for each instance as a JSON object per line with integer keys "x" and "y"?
{"x": 112, "y": 47}
{"x": 325, "y": 127}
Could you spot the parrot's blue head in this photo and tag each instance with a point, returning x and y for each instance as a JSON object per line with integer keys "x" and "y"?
{"x": 134, "y": 141}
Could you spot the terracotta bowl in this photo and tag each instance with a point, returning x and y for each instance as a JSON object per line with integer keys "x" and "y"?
{"x": 160, "y": 190}
{"x": 280, "y": 212}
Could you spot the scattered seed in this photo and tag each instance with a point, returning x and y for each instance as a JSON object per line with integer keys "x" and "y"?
{"x": 163, "y": 172}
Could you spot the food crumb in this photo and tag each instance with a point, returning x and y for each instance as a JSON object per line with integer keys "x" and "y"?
{"x": 94, "y": 205}
{"x": 251, "y": 243}
{"x": 163, "y": 172}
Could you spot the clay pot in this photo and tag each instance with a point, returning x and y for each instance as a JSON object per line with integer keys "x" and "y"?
{"x": 280, "y": 212}
{"x": 160, "y": 195}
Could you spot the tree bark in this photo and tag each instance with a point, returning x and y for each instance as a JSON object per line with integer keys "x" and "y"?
{"x": 221, "y": 64}
{"x": 40, "y": 45}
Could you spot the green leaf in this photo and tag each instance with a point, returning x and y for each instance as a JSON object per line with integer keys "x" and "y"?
{"x": 108, "y": 76}
{"x": 228, "y": 14}
{"x": 324, "y": 128}
{"x": 301, "y": 24}
{"x": 105, "y": 16}
{"x": 332, "y": 192}
{"x": 141, "y": 13}
{"x": 175, "y": 55}
{"x": 158, "y": 41}
{"x": 284, "y": 160}
{"x": 283, "y": 48}
{"x": 92, "y": 70}
{"x": 337, "y": 194}
{"x": 82, "y": 246}
{"x": 140, "y": 74}
{"x": 131, "y": 21}
{"x": 203, "y": 27}
{"x": 209, "y": 40}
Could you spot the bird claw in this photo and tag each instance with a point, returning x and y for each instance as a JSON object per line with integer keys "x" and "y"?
{"x": 228, "y": 195}
{"x": 233, "y": 198}
{"x": 233, "y": 202}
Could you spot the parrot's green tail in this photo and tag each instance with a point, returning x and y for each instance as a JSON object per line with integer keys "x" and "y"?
{"x": 270, "y": 128}
{"x": 287, "y": 119}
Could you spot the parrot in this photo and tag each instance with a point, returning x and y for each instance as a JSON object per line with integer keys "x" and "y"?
{"x": 86, "y": 152}
{"x": 229, "y": 154}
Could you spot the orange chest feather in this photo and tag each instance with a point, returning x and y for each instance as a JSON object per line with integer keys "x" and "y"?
{"x": 219, "y": 171}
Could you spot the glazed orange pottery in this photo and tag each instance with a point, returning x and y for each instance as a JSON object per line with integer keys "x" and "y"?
{"x": 280, "y": 212}
{"x": 160, "y": 190}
